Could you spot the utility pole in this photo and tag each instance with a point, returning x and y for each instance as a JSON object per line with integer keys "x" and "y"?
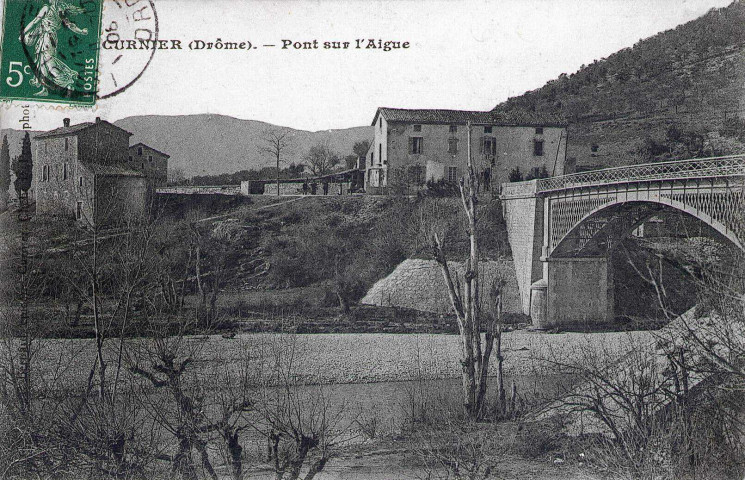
{"x": 468, "y": 148}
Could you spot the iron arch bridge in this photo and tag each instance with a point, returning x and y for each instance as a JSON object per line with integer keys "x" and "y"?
{"x": 588, "y": 211}
{"x": 562, "y": 229}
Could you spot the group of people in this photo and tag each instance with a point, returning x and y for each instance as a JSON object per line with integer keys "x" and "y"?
{"x": 325, "y": 186}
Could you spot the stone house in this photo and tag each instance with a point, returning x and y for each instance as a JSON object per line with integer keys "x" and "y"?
{"x": 81, "y": 170}
{"x": 413, "y": 146}
{"x": 153, "y": 163}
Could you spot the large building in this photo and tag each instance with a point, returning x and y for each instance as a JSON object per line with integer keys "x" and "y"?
{"x": 153, "y": 163}
{"x": 82, "y": 170}
{"x": 413, "y": 146}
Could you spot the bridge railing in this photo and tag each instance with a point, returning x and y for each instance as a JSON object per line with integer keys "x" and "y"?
{"x": 715, "y": 167}
{"x": 201, "y": 189}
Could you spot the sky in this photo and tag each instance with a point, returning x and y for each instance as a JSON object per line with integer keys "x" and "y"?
{"x": 462, "y": 55}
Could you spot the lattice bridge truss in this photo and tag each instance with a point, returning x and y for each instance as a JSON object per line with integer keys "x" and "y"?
{"x": 587, "y": 212}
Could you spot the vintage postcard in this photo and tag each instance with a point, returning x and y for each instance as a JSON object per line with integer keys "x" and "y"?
{"x": 336, "y": 239}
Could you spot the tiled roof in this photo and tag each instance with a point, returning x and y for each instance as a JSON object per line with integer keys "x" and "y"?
{"x": 65, "y": 130}
{"x": 112, "y": 170}
{"x": 151, "y": 148}
{"x": 514, "y": 118}
{"x": 57, "y": 132}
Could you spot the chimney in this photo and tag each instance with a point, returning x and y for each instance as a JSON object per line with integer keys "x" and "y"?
{"x": 66, "y": 122}
{"x": 98, "y": 119}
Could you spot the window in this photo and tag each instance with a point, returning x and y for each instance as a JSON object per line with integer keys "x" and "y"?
{"x": 130, "y": 158}
{"x": 66, "y": 144}
{"x": 372, "y": 158}
{"x": 380, "y": 124}
{"x": 417, "y": 128}
{"x": 490, "y": 146}
{"x": 139, "y": 151}
{"x": 380, "y": 152}
{"x": 539, "y": 130}
{"x": 452, "y": 174}
{"x": 79, "y": 210}
{"x": 452, "y": 146}
{"x": 453, "y": 128}
{"x": 45, "y": 173}
{"x": 416, "y": 144}
{"x": 80, "y": 182}
{"x": 538, "y": 148}
{"x": 487, "y": 129}
{"x": 64, "y": 170}
{"x": 149, "y": 158}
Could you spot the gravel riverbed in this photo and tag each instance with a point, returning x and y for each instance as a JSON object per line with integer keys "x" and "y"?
{"x": 351, "y": 358}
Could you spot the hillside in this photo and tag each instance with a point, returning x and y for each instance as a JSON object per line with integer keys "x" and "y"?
{"x": 213, "y": 144}
{"x": 622, "y": 107}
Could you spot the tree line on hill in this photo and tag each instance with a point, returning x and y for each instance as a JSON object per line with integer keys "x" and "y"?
{"x": 278, "y": 145}
{"x": 668, "y": 69}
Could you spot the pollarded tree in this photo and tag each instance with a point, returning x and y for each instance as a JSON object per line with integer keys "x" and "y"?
{"x": 466, "y": 302}
{"x": 4, "y": 172}
{"x": 24, "y": 167}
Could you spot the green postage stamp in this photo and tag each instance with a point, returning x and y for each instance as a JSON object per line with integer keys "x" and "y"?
{"x": 50, "y": 50}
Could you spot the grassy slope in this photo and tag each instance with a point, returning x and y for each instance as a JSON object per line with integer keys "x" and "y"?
{"x": 314, "y": 242}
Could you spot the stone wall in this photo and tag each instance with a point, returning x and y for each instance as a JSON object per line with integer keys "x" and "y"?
{"x": 418, "y": 284}
{"x": 523, "y": 214}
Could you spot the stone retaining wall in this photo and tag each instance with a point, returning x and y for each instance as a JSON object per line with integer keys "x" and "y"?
{"x": 418, "y": 284}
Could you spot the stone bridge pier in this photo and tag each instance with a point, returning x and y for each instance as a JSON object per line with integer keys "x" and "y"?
{"x": 563, "y": 229}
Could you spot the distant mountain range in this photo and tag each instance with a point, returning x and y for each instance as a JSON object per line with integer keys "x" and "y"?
{"x": 214, "y": 144}
{"x": 620, "y": 108}
{"x": 691, "y": 78}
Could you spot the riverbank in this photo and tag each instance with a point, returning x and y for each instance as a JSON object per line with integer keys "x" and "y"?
{"x": 354, "y": 358}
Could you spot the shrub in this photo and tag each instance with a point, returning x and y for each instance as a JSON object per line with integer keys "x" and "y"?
{"x": 442, "y": 188}
{"x": 516, "y": 175}
{"x": 652, "y": 148}
{"x": 733, "y": 127}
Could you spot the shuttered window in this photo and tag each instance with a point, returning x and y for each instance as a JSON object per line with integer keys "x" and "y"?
{"x": 452, "y": 146}
{"x": 416, "y": 145}
{"x": 538, "y": 148}
{"x": 452, "y": 174}
{"x": 489, "y": 146}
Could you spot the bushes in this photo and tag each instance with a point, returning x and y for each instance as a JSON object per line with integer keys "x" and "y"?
{"x": 441, "y": 188}
{"x": 733, "y": 127}
{"x": 355, "y": 247}
{"x": 516, "y": 175}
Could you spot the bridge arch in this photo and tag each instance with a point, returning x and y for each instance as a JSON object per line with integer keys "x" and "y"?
{"x": 562, "y": 229}
{"x": 575, "y": 241}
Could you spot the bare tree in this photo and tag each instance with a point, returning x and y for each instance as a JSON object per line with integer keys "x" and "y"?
{"x": 475, "y": 352}
{"x": 277, "y": 143}
{"x": 680, "y": 386}
{"x": 179, "y": 397}
{"x": 302, "y": 426}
